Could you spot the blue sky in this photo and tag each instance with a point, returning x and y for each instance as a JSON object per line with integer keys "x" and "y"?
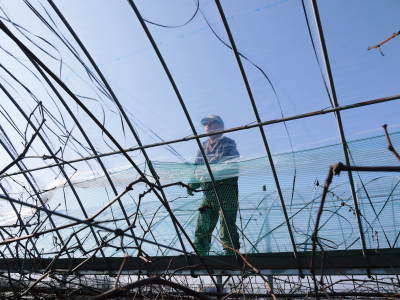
{"x": 272, "y": 33}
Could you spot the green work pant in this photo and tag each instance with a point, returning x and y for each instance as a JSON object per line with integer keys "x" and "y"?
{"x": 210, "y": 209}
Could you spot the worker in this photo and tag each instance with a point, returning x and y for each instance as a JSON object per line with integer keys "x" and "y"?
{"x": 217, "y": 148}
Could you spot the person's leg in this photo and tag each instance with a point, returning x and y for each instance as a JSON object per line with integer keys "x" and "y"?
{"x": 229, "y": 234}
{"x": 206, "y": 222}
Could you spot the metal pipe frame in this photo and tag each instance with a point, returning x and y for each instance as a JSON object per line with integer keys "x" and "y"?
{"x": 233, "y": 129}
{"x": 379, "y": 262}
{"x": 340, "y": 128}
{"x": 262, "y": 132}
{"x": 129, "y": 123}
{"x": 336, "y": 262}
{"x": 184, "y": 108}
{"x": 41, "y": 67}
{"x": 336, "y": 110}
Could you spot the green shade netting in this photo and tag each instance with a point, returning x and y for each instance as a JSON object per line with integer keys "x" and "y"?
{"x": 261, "y": 223}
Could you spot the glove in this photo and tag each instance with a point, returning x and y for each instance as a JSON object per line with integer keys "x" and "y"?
{"x": 189, "y": 190}
{"x": 191, "y": 187}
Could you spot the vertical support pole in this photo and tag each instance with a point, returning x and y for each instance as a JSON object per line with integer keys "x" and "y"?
{"x": 271, "y": 283}
{"x": 262, "y": 132}
{"x": 341, "y": 131}
{"x": 219, "y": 286}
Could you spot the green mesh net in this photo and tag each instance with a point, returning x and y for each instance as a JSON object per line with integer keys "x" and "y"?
{"x": 253, "y": 202}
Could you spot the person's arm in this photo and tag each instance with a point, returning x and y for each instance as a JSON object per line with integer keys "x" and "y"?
{"x": 195, "y": 183}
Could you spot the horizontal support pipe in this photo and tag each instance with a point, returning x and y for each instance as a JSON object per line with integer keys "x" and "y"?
{"x": 233, "y": 129}
{"x": 335, "y": 262}
{"x": 339, "y": 167}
